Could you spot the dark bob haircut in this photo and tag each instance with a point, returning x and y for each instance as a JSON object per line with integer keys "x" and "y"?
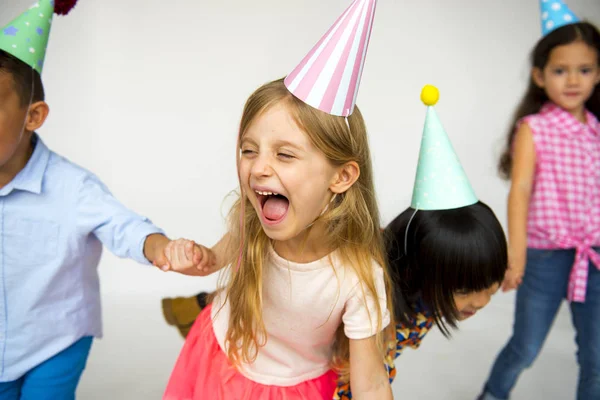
{"x": 461, "y": 250}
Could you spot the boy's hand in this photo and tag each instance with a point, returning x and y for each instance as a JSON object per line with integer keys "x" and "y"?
{"x": 154, "y": 249}
{"x": 188, "y": 258}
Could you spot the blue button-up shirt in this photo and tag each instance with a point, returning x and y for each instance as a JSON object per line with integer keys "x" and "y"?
{"x": 54, "y": 218}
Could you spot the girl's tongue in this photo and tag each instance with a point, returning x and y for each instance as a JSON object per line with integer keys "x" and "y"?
{"x": 275, "y": 207}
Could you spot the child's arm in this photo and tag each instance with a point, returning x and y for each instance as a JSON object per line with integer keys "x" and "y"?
{"x": 368, "y": 376}
{"x": 522, "y": 175}
{"x": 125, "y": 233}
{"x": 222, "y": 251}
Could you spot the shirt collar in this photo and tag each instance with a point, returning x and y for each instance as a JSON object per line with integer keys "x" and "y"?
{"x": 572, "y": 125}
{"x": 30, "y": 178}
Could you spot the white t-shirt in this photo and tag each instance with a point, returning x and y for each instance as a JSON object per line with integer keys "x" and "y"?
{"x": 303, "y": 305}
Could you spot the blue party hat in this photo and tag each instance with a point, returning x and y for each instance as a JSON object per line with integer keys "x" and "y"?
{"x": 555, "y": 13}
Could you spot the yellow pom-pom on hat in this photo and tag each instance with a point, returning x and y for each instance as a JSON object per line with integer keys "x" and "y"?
{"x": 430, "y": 95}
{"x": 440, "y": 182}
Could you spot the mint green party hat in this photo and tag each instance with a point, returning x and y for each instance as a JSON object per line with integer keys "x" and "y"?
{"x": 26, "y": 37}
{"x": 441, "y": 182}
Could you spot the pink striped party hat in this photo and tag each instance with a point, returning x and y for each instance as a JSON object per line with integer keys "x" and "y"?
{"x": 329, "y": 76}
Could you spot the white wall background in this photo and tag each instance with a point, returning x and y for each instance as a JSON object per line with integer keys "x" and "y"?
{"x": 148, "y": 93}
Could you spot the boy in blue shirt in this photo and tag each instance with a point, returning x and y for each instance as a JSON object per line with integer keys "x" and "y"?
{"x": 55, "y": 218}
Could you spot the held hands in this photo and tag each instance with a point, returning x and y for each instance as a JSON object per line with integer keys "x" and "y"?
{"x": 186, "y": 257}
{"x": 514, "y": 274}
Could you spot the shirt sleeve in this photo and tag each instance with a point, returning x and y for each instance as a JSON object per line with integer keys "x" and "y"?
{"x": 360, "y": 315}
{"x": 121, "y": 230}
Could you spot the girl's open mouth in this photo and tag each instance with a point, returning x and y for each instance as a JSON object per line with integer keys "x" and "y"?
{"x": 274, "y": 206}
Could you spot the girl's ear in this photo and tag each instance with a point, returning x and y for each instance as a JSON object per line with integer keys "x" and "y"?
{"x": 345, "y": 177}
{"x": 538, "y": 77}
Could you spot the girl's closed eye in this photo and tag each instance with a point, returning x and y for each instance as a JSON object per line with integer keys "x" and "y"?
{"x": 285, "y": 156}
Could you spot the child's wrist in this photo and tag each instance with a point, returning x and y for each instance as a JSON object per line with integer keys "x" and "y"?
{"x": 154, "y": 246}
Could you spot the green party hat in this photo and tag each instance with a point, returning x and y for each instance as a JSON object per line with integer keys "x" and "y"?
{"x": 26, "y": 37}
{"x": 441, "y": 182}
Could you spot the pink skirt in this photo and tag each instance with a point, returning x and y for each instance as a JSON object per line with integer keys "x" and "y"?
{"x": 203, "y": 371}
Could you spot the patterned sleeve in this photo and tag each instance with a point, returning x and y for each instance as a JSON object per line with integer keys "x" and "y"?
{"x": 405, "y": 337}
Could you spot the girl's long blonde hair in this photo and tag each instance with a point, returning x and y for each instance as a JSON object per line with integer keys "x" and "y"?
{"x": 352, "y": 221}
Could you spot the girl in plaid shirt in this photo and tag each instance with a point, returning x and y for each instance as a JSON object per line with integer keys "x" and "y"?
{"x": 553, "y": 161}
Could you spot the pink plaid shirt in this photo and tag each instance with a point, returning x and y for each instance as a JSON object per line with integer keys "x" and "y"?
{"x": 564, "y": 210}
